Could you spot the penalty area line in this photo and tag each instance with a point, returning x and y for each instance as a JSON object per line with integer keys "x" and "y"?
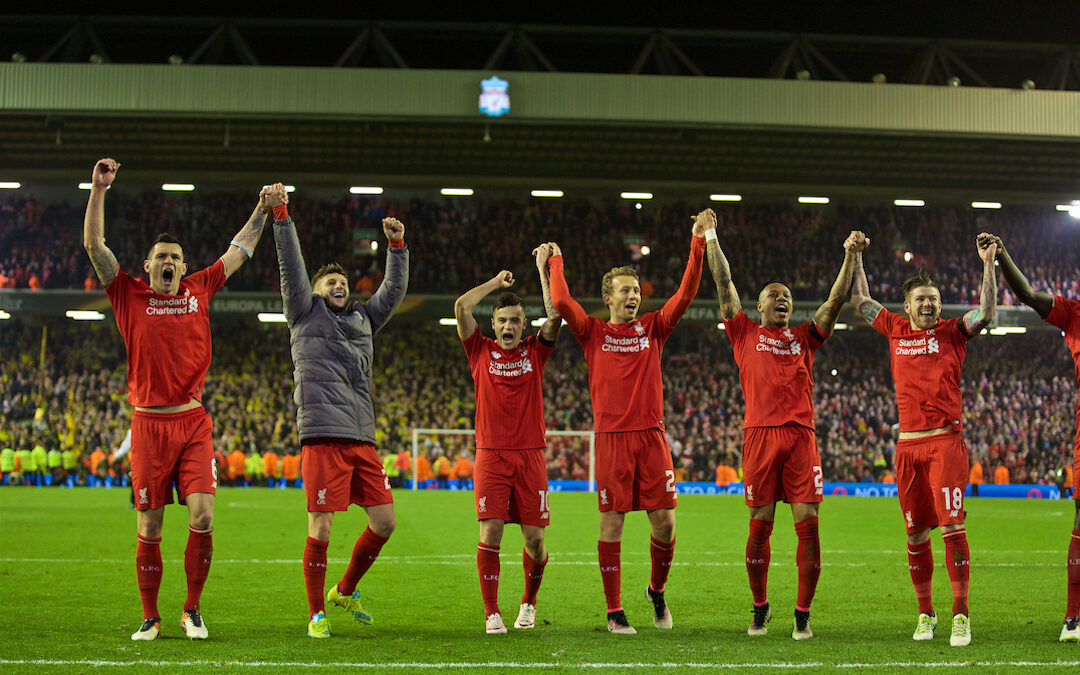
{"x": 99, "y": 663}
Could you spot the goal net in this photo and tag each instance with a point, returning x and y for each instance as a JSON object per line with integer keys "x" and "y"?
{"x": 584, "y": 450}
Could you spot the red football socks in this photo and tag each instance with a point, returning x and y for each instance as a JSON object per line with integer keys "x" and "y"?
{"x": 534, "y": 574}
{"x": 958, "y": 562}
{"x": 315, "y": 574}
{"x": 921, "y": 565}
{"x": 197, "y": 556}
{"x": 609, "y": 572}
{"x": 808, "y": 560}
{"x": 661, "y": 553}
{"x": 758, "y": 553}
{"x": 148, "y": 574}
{"x": 487, "y": 565}
{"x": 1073, "y": 606}
{"x": 364, "y": 554}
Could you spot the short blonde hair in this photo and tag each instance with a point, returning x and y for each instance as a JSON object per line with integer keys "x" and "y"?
{"x": 608, "y": 283}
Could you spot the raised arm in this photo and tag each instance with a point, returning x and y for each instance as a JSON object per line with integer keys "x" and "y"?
{"x": 296, "y": 293}
{"x": 977, "y": 319}
{"x": 550, "y": 329}
{"x": 860, "y": 292}
{"x": 726, "y": 294}
{"x": 825, "y": 316}
{"x": 463, "y": 306}
{"x": 391, "y": 292}
{"x": 101, "y": 257}
{"x": 1041, "y": 301}
{"x": 565, "y": 305}
{"x": 242, "y": 247}
{"x": 676, "y": 305}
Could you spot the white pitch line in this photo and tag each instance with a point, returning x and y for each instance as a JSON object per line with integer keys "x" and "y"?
{"x": 97, "y": 663}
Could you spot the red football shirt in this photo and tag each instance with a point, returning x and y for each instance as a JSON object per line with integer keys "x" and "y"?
{"x": 509, "y": 392}
{"x": 1066, "y": 316}
{"x": 775, "y": 371}
{"x": 624, "y": 360}
{"x": 926, "y": 367}
{"x": 167, "y": 336}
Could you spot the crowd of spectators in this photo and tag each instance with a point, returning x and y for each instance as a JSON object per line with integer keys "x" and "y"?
{"x": 459, "y": 241}
{"x": 1019, "y": 399}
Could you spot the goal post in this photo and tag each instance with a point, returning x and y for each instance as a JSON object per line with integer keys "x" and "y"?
{"x": 417, "y": 432}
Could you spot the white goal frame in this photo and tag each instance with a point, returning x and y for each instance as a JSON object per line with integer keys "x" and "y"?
{"x": 416, "y": 433}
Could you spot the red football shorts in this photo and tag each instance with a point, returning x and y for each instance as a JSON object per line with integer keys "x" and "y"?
{"x": 634, "y": 471}
{"x": 512, "y": 486}
{"x": 1076, "y": 463}
{"x": 931, "y": 476}
{"x": 339, "y": 472}
{"x": 781, "y": 464}
{"x": 171, "y": 449}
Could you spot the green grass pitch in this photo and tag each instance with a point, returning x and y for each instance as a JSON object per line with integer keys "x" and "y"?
{"x": 68, "y": 598}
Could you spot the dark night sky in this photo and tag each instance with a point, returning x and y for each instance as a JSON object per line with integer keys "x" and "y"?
{"x": 1005, "y": 20}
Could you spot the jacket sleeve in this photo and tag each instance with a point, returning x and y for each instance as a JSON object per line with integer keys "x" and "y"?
{"x": 388, "y": 296}
{"x": 296, "y": 293}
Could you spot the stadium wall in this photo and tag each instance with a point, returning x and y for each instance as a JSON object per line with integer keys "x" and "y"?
{"x": 553, "y": 97}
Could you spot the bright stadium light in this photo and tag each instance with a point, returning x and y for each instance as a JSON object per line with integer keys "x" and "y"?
{"x": 457, "y": 192}
{"x": 1008, "y": 330}
{"x": 448, "y": 321}
{"x": 1072, "y": 209}
{"x": 636, "y": 195}
{"x": 290, "y": 188}
{"x": 813, "y": 200}
{"x": 84, "y": 315}
{"x": 177, "y": 187}
{"x": 909, "y": 202}
{"x": 726, "y": 198}
{"x": 721, "y": 326}
{"x": 908, "y": 256}
{"x": 366, "y": 190}
{"x": 546, "y": 193}
{"x": 536, "y": 323}
{"x": 645, "y": 250}
{"x": 10, "y": 186}
{"x": 271, "y": 317}
{"x": 986, "y": 205}
{"x": 374, "y": 245}
{"x": 4, "y": 315}
{"x": 87, "y": 186}
{"x": 840, "y": 326}
{"x": 833, "y": 372}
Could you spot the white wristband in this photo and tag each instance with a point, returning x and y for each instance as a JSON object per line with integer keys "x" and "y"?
{"x": 247, "y": 251}
{"x": 710, "y": 235}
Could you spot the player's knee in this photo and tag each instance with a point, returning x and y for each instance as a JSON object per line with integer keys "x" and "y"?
{"x": 384, "y": 528}
{"x": 202, "y": 520}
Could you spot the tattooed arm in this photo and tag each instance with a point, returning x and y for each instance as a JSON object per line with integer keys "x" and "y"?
{"x": 977, "y": 319}
{"x": 550, "y": 329}
{"x": 726, "y": 294}
{"x": 860, "y": 292}
{"x": 94, "y": 222}
{"x": 248, "y": 237}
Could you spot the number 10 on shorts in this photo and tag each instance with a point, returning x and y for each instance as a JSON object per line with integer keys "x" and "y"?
{"x": 545, "y": 509}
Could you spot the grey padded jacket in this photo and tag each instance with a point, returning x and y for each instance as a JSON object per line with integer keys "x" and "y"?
{"x": 332, "y": 351}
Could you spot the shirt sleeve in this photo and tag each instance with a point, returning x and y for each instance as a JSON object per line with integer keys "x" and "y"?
{"x": 568, "y": 308}
{"x": 117, "y": 291}
{"x": 210, "y": 279}
{"x": 884, "y": 322}
{"x": 735, "y": 327}
{"x": 815, "y": 337}
{"x": 473, "y": 344}
{"x": 1064, "y": 313}
{"x": 676, "y": 305}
